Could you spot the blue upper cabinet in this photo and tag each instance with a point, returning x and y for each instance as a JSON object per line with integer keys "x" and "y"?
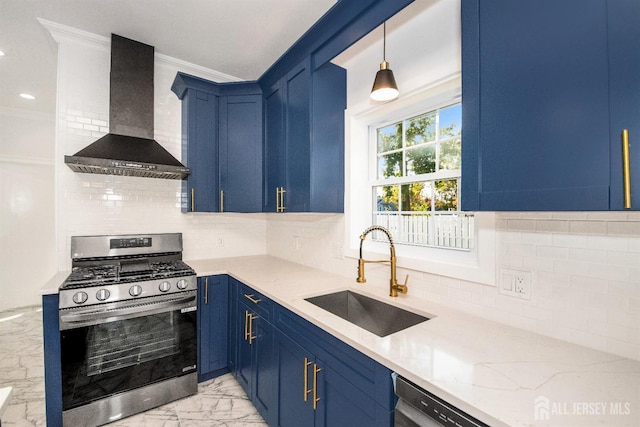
{"x": 222, "y": 144}
{"x": 240, "y": 120}
{"x": 304, "y": 140}
{"x": 199, "y": 145}
{"x": 545, "y": 87}
{"x": 624, "y": 87}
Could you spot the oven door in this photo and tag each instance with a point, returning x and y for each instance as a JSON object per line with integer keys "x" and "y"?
{"x": 114, "y": 348}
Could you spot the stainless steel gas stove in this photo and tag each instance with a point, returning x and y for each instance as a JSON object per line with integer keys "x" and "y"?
{"x": 127, "y": 327}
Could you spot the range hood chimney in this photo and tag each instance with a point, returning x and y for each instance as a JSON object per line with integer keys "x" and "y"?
{"x": 129, "y": 148}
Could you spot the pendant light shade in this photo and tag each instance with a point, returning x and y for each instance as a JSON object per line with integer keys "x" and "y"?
{"x": 384, "y": 85}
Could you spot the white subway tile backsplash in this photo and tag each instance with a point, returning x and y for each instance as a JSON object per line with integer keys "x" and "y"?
{"x": 104, "y": 204}
{"x": 584, "y": 269}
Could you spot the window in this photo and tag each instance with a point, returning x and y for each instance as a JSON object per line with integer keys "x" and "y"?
{"x": 416, "y": 190}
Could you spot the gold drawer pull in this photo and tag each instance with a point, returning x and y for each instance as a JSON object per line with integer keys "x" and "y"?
{"x": 250, "y": 298}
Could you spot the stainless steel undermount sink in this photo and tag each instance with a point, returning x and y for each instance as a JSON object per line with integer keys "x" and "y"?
{"x": 375, "y": 316}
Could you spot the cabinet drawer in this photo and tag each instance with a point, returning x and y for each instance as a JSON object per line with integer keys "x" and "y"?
{"x": 257, "y": 302}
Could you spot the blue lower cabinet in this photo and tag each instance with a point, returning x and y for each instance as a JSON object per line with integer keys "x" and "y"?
{"x": 253, "y": 340}
{"x": 298, "y": 375}
{"x": 213, "y": 326}
{"x": 295, "y": 383}
{"x": 319, "y": 385}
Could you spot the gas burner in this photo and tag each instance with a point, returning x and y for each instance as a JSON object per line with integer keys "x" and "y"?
{"x": 101, "y": 274}
{"x": 108, "y": 269}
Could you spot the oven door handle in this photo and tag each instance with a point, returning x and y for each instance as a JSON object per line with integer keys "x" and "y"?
{"x": 125, "y": 312}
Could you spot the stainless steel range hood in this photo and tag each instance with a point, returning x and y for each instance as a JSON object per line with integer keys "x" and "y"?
{"x": 129, "y": 148}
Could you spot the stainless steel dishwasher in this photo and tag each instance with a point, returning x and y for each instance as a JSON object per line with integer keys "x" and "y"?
{"x": 419, "y": 408}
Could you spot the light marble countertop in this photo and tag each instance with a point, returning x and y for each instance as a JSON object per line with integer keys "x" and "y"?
{"x": 501, "y": 375}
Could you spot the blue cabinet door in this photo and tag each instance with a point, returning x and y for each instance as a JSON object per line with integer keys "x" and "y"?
{"x": 274, "y": 158}
{"x": 297, "y": 95}
{"x": 240, "y": 157}
{"x": 341, "y": 404}
{"x": 213, "y": 321}
{"x": 200, "y": 151}
{"x": 295, "y": 383}
{"x": 304, "y": 140}
{"x": 329, "y": 88}
{"x": 624, "y": 86}
{"x": 265, "y": 369}
{"x": 244, "y": 358}
{"x": 535, "y": 105}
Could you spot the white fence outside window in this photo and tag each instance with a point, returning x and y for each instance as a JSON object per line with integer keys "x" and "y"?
{"x": 443, "y": 229}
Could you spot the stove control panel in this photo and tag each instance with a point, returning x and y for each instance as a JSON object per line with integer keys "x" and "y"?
{"x": 126, "y": 291}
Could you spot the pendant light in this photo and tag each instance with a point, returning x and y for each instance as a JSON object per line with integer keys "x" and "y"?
{"x": 384, "y": 86}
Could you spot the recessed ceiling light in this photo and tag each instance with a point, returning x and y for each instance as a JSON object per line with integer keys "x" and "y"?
{"x": 27, "y": 96}
{"x": 1, "y": 53}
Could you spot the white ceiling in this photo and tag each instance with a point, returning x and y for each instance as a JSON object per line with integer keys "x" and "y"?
{"x": 241, "y": 38}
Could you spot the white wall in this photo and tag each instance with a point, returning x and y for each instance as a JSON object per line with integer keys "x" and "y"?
{"x": 584, "y": 266}
{"x": 27, "y": 238}
{"x": 88, "y": 204}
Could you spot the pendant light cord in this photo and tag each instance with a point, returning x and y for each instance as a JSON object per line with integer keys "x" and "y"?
{"x": 384, "y": 41}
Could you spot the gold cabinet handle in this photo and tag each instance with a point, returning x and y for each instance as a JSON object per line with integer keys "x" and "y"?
{"x": 251, "y": 298}
{"x": 316, "y": 399}
{"x": 193, "y": 199}
{"x": 280, "y": 199}
{"x": 206, "y": 290}
{"x": 246, "y": 325}
{"x": 251, "y": 336}
{"x": 306, "y": 391}
{"x": 221, "y": 200}
{"x": 626, "y": 169}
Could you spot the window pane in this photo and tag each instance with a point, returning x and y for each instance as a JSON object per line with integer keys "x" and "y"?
{"x": 390, "y": 165}
{"x": 450, "y": 154}
{"x": 421, "y": 160}
{"x": 446, "y": 197}
{"x": 417, "y": 196}
{"x": 387, "y": 198}
{"x": 390, "y": 138}
{"x": 450, "y": 121}
{"x": 421, "y": 129}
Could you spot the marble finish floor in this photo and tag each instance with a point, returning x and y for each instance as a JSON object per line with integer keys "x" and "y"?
{"x": 219, "y": 402}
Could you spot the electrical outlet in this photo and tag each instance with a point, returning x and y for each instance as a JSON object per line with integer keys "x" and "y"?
{"x": 515, "y": 283}
{"x": 220, "y": 241}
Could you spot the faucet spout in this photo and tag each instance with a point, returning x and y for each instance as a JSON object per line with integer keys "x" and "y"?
{"x": 394, "y": 287}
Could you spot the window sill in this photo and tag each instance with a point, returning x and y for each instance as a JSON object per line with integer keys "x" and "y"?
{"x": 477, "y": 265}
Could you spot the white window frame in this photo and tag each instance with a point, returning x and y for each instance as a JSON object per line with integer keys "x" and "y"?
{"x": 441, "y": 174}
{"x": 476, "y": 265}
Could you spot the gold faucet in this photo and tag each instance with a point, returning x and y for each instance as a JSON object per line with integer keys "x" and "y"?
{"x": 394, "y": 287}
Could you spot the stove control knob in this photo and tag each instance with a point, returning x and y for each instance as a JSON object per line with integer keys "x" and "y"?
{"x": 183, "y": 284}
{"x": 80, "y": 297}
{"x": 102, "y": 294}
{"x": 135, "y": 290}
{"x": 164, "y": 286}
